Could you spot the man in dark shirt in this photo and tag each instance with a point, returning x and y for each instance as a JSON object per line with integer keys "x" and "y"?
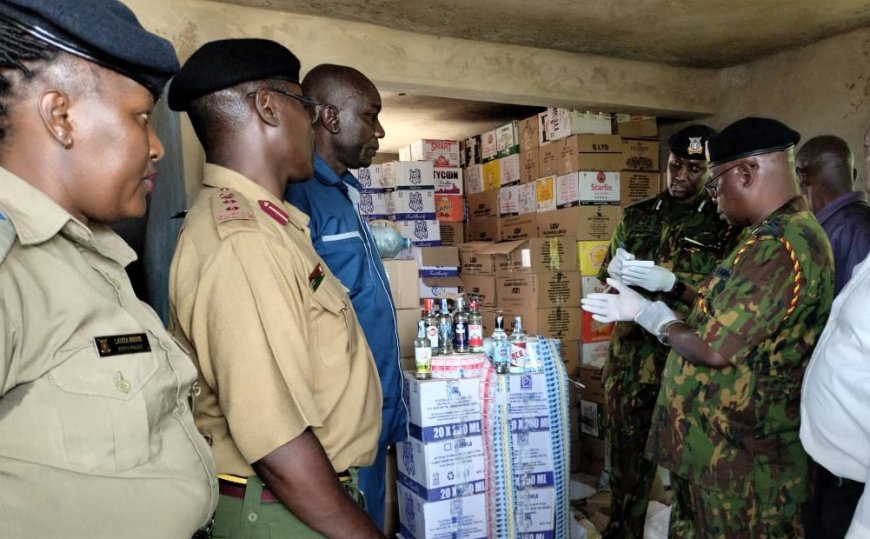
{"x": 827, "y": 176}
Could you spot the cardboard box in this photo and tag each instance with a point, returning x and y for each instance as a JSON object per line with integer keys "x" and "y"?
{"x": 593, "y": 454}
{"x": 442, "y": 153}
{"x": 549, "y": 157}
{"x": 543, "y": 135}
{"x": 473, "y": 179}
{"x": 374, "y": 205}
{"x": 592, "y": 418}
{"x": 406, "y": 327}
{"x": 448, "y": 180}
{"x": 449, "y": 208}
{"x": 535, "y": 255}
{"x": 426, "y": 468}
{"x": 589, "y": 152}
{"x": 437, "y": 261}
{"x": 483, "y": 228}
{"x": 545, "y": 191}
{"x": 635, "y": 186}
{"x": 568, "y": 190}
{"x": 421, "y": 232}
{"x": 477, "y": 258}
{"x": 598, "y": 187}
{"x": 556, "y": 322}
{"x": 452, "y": 233}
{"x": 593, "y": 331}
{"x": 518, "y": 227}
{"x": 458, "y": 517}
{"x": 471, "y": 150}
{"x": 483, "y": 204}
{"x": 640, "y": 154}
{"x": 442, "y": 409}
{"x": 507, "y": 139}
{"x": 439, "y": 287}
{"x": 532, "y": 455}
{"x": 408, "y": 175}
{"x": 508, "y": 203}
{"x": 636, "y": 125}
{"x": 592, "y": 285}
{"x": 594, "y": 354}
{"x": 402, "y": 275}
{"x": 584, "y": 223}
{"x": 405, "y": 153}
{"x": 536, "y": 513}
{"x": 593, "y": 387}
{"x": 527, "y": 198}
{"x": 492, "y": 175}
{"x": 590, "y": 256}
{"x": 529, "y": 165}
{"x": 562, "y": 123}
{"x": 586, "y": 143}
{"x": 488, "y": 146}
{"x": 509, "y": 170}
{"x": 411, "y": 204}
{"x": 550, "y": 289}
{"x": 589, "y": 161}
{"x": 570, "y": 351}
{"x": 482, "y": 286}
{"x": 528, "y": 133}
{"x": 371, "y": 178}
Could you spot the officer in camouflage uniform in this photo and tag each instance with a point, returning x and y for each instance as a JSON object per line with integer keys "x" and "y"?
{"x": 727, "y": 417}
{"x": 681, "y": 231}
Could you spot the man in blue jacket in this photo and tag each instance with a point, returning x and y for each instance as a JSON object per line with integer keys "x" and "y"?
{"x": 346, "y": 130}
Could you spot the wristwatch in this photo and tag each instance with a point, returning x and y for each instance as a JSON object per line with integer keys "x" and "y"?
{"x": 678, "y": 289}
{"x": 662, "y": 333}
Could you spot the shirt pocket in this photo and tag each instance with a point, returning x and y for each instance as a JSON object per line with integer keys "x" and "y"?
{"x": 334, "y": 323}
{"x": 109, "y": 424}
{"x": 348, "y": 259}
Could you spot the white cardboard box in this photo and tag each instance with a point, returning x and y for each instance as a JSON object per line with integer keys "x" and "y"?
{"x": 442, "y": 409}
{"x": 533, "y": 459}
{"x": 463, "y": 517}
{"x": 408, "y": 175}
{"x": 509, "y": 170}
{"x": 508, "y": 200}
{"x": 410, "y": 204}
{"x": 535, "y": 513}
{"x": 568, "y": 190}
{"x": 442, "y": 153}
{"x": 562, "y": 123}
{"x": 599, "y": 187}
{"x": 427, "y": 468}
{"x": 374, "y": 205}
{"x": 488, "y": 145}
{"x": 448, "y": 180}
{"x": 527, "y": 198}
{"x": 421, "y": 232}
{"x": 473, "y": 179}
{"x": 371, "y": 178}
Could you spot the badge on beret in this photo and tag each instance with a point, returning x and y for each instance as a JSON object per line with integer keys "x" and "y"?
{"x": 695, "y": 146}
{"x": 315, "y": 277}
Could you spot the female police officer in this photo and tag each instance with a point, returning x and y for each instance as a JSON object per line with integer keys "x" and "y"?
{"x": 96, "y": 439}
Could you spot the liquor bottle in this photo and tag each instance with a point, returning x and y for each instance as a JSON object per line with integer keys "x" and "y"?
{"x": 518, "y": 347}
{"x": 475, "y": 328}
{"x": 460, "y": 327}
{"x": 445, "y": 329}
{"x": 501, "y": 347}
{"x": 431, "y": 319}
{"x": 422, "y": 353}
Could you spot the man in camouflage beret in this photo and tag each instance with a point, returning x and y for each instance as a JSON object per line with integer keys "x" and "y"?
{"x": 680, "y": 230}
{"x": 727, "y": 417}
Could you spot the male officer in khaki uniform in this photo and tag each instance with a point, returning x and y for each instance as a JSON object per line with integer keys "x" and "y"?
{"x": 290, "y": 397}
{"x": 96, "y": 437}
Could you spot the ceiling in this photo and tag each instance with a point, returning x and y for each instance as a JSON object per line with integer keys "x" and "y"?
{"x": 694, "y": 33}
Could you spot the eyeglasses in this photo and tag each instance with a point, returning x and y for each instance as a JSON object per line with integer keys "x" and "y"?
{"x": 305, "y": 100}
{"x": 712, "y": 185}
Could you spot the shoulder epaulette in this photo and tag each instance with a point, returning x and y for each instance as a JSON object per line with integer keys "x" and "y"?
{"x": 7, "y": 236}
{"x": 230, "y": 208}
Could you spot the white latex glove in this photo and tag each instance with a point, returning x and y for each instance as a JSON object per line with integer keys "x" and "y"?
{"x": 608, "y": 308}
{"x": 645, "y": 274}
{"x": 654, "y": 316}
{"x": 614, "y": 269}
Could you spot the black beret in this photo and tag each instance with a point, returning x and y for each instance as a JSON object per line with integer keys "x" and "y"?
{"x": 228, "y": 62}
{"x": 750, "y": 136}
{"x": 690, "y": 142}
{"x": 105, "y": 32}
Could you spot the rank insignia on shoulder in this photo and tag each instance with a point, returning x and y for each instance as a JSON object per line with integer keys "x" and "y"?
{"x": 315, "y": 277}
{"x": 119, "y": 345}
{"x": 227, "y": 206}
{"x": 274, "y": 212}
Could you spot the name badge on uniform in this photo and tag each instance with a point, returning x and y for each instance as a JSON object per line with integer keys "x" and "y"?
{"x": 118, "y": 345}
{"x": 315, "y": 277}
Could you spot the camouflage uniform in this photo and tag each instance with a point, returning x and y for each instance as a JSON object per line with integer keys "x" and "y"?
{"x": 654, "y": 229}
{"x": 730, "y": 435}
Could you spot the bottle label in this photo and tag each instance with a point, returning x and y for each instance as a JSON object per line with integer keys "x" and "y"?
{"x": 518, "y": 355}
{"x": 460, "y": 336}
{"x": 475, "y": 335}
{"x": 432, "y": 334}
{"x": 501, "y": 353}
{"x": 423, "y": 360}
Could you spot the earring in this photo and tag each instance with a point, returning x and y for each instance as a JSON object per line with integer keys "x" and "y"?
{"x": 67, "y": 143}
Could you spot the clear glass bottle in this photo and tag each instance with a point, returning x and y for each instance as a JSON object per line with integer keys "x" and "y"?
{"x": 519, "y": 353}
{"x": 422, "y": 353}
{"x": 501, "y": 347}
{"x": 445, "y": 329}
{"x": 475, "y": 328}
{"x": 460, "y": 327}
{"x": 431, "y": 319}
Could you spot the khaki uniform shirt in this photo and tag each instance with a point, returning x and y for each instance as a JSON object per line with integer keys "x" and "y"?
{"x": 278, "y": 344}
{"x": 96, "y": 437}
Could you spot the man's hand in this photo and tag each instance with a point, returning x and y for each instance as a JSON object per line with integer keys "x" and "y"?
{"x": 614, "y": 269}
{"x": 647, "y": 276}
{"x": 606, "y": 307}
